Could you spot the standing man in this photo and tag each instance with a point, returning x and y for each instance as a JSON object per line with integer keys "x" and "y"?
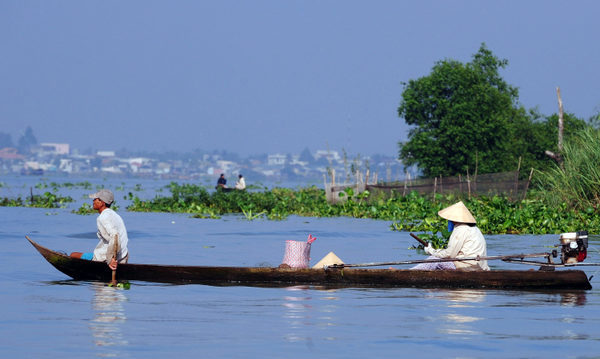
{"x": 110, "y": 227}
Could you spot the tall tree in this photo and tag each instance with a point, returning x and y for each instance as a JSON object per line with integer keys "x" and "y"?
{"x": 306, "y": 156}
{"x": 5, "y": 140}
{"x": 463, "y": 116}
{"x": 27, "y": 140}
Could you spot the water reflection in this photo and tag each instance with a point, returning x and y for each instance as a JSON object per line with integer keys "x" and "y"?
{"x": 109, "y": 318}
{"x": 456, "y": 322}
{"x": 573, "y": 299}
{"x": 463, "y": 297}
{"x": 297, "y": 313}
{"x": 300, "y": 314}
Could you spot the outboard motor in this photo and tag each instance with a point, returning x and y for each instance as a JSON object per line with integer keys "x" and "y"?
{"x": 573, "y": 247}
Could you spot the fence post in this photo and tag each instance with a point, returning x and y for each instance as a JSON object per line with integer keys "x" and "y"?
{"x": 468, "y": 183}
{"x": 476, "y": 168}
{"x": 332, "y": 178}
{"x": 434, "y": 187}
{"x": 517, "y": 178}
{"x": 527, "y": 185}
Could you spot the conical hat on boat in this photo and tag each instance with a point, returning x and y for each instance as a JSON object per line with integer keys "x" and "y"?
{"x": 458, "y": 213}
{"x": 328, "y": 260}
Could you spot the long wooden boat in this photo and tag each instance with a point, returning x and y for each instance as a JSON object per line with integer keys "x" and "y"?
{"x": 81, "y": 269}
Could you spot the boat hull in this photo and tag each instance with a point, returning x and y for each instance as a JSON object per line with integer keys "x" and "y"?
{"x": 80, "y": 269}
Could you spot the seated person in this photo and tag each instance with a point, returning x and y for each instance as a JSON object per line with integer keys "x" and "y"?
{"x": 221, "y": 182}
{"x": 110, "y": 228}
{"x": 466, "y": 241}
{"x": 241, "y": 183}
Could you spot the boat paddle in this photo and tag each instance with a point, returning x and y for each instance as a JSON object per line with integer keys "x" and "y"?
{"x": 113, "y": 282}
{"x": 419, "y": 239}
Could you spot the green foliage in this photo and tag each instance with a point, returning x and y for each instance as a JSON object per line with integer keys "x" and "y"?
{"x": 465, "y": 116}
{"x": 577, "y": 182}
{"x": 85, "y": 209}
{"x": 409, "y": 213}
{"x": 541, "y": 134}
{"x": 462, "y": 113}
{"x": 46, "y": 200}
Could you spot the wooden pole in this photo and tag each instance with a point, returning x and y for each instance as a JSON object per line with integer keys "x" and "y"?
{"x": 116, "y": 256}
{"x": 332, "y": 178}
{"x": 527, "y": 185}
{"x": 439, "y": 260}
{"x": 517, "y": 177}
{"x": 425, "y": 244}
{"x": 561, "y": 124}
{"x": 476, "y": 169}
{"x": 468, "y": 183}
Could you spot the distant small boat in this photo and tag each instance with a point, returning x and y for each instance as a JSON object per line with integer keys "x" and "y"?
{"x": 80, "y": 269}
{"x": 32, "y": 172}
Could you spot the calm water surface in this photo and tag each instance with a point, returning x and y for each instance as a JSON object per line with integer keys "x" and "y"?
{"x": 44, "y": 314}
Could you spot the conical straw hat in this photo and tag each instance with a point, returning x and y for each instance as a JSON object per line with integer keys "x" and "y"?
{"x": 328, "y": 260}
{"x": 458, "y": 212}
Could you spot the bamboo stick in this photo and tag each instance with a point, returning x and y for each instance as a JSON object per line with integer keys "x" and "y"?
{"x": 439, "y": 260}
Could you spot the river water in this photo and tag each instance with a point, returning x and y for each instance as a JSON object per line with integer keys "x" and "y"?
{"x": 45, "y": 314}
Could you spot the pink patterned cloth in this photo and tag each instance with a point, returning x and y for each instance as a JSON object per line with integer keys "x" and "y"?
{"x": 435, "y": 265}
{"x": 297, "y": 254}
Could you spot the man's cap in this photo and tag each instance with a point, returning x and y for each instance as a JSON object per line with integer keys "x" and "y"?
{"x": 458, "y": 213}
{"x": 104, "y": 195}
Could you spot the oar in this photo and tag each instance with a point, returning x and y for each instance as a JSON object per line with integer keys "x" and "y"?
{"x": 419, "y": 239}
{"x": 438, "y": 260}
{"x": 114, "y": 272}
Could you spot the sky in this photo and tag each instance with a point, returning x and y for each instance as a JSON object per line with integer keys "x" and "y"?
{"x": 271, "y": 76}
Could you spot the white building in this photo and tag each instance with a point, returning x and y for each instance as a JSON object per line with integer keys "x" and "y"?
{"x": 54, "y": 148}
{"x": 276, "y": 160}
{"x": 329, "y": 155}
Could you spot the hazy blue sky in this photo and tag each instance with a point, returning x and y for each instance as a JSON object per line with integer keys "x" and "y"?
{"x": 270, "y": 76}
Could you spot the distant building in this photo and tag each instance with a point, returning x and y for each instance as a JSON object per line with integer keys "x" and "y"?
{"x": 54, "y": 148}
{"x": 106, "y": 153}
{"x": 276, "y": 160}
{"x": 329, "y": 155}
{"x": 10, "y": 153}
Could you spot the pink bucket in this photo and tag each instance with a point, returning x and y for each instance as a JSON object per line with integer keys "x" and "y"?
{"x": 297, "y": 254}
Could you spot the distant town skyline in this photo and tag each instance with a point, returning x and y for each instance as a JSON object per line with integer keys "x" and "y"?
{"x": 270, "y": 76}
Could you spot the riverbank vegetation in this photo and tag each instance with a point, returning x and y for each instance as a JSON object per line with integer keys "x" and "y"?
{"x": 414, "y": 212}
{"x": 46, "y": 200}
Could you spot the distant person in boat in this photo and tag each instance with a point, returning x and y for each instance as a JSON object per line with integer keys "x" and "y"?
{"x": 241, "y": 183}
{"x": 110, "y": 224}
{"x": 221, "y": 182}
{"x": 465, "y": 241}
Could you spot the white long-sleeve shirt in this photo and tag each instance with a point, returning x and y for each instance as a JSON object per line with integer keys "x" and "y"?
{"x": 465, "y": 242}
{"x": 109, "y": 224}
{"x": 240, "y": 184}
